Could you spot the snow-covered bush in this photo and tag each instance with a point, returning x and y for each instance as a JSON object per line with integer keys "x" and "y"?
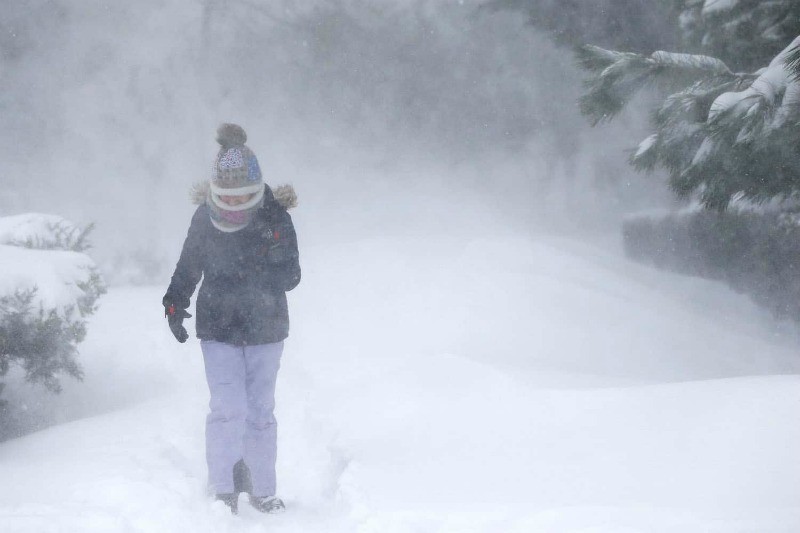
{"x": 756, "y": 251}
{"x": 48, "y": 287}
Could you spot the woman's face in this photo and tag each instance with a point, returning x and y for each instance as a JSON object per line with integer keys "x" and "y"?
{"x": 235, "y": 200}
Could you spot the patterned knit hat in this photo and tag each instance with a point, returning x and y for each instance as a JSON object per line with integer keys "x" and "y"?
{"x": 235, "y": 173}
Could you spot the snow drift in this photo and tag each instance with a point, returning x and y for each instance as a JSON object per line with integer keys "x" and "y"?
{"x": 498, "y": 385}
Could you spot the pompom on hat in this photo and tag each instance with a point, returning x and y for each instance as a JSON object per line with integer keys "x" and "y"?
{"x": 230, "y": 135}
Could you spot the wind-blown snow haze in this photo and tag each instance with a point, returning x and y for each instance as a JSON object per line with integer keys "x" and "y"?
{"x": 470, "y": 350}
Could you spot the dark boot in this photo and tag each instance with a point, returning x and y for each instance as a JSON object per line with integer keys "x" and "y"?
{"x": 231, "y": 500}
{"x": 241, "y": 478}
{"x": 267, "y": 504}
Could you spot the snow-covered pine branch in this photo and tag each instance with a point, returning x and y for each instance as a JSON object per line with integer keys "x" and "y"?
{"x": 711, "y": 7}
{"x": 678, "y": 125}
{"x": 750, "y": 139}
{"x": 723, "y": 135}
{"x": 793, "y": 62}
{"x": 618, "y": 76}
{"x": 744, "y": 33}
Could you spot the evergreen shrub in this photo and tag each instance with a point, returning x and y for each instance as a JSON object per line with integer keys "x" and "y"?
{"x": 756, "y": 253}
{"x": 38, "y": 339}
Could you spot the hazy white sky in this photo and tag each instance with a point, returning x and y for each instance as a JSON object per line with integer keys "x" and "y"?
{"x": 377, "y": 112}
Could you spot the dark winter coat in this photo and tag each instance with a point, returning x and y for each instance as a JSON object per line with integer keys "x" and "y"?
{"x": 245, "y": 274}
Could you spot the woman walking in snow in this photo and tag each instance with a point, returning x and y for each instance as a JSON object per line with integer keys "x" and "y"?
{"x": 241, "y": 241}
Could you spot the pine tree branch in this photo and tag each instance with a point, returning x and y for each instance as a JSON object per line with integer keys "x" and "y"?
{"x": 618, "y": 76}
{"x": 793, "y": 62}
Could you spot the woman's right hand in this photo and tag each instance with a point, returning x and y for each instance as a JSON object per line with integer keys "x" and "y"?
{"x": 175, "y": 316}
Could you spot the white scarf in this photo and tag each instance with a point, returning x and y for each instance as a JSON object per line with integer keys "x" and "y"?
{"x": 230, "y": 218}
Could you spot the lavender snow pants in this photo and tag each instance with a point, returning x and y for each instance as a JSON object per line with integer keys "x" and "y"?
{"x": 241, "y": 424}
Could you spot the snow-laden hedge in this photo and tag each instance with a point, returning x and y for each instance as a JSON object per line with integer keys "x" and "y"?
{"x": 755, "y": 251}
{"x": 48, "y": 287}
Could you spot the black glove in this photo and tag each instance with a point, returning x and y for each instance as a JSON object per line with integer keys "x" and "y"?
{"x": 175, "y": 318}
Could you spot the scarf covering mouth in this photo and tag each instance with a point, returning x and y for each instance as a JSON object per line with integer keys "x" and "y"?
{"x": 231, "y": 218}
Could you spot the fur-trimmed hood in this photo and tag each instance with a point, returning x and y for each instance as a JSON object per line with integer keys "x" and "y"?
{"x": 285, "y": 195}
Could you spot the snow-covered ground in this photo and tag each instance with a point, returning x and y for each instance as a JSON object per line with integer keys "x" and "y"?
{"x": 445, "y": 385}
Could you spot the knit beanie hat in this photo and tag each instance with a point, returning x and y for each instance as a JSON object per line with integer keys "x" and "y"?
{"x": 235, "y": 173}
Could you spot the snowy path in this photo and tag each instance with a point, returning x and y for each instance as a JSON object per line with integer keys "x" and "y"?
{"x": 441, "y": 386}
